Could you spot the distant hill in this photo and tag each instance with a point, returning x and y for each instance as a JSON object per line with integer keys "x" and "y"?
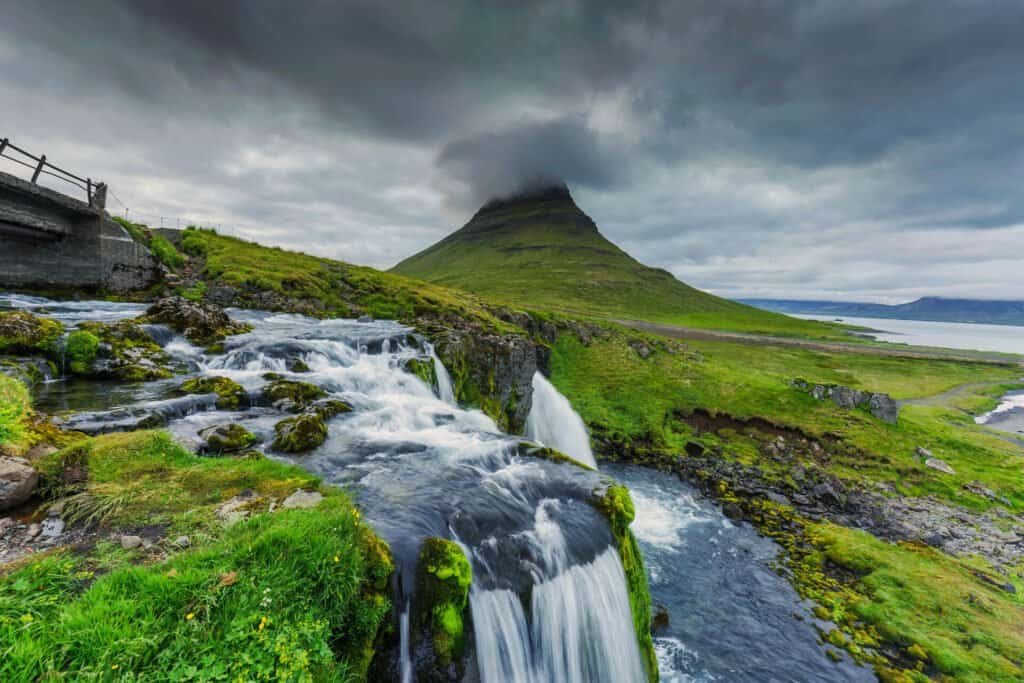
{"x": 539, "y": 250}
{"x": 932, "y": 308}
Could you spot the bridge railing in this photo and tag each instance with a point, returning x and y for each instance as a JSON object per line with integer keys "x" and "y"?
{"x": 95, "y": 193}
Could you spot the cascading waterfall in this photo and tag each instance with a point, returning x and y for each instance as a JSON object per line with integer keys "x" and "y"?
{"x": 445, "y": 390}
{"x": 420, "y": 466}
{"x": 553, "y": 422}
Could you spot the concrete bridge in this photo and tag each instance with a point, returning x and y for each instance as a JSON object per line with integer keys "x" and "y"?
{"x": 51, "y": 241}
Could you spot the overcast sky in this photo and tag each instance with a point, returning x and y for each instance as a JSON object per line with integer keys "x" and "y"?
{"x": 864, "y": 151}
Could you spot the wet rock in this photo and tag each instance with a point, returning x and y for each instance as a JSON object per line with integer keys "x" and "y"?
{"x": 51, "y": 528}
{"x": 940, "y": 465}
{"x": 129, "y": 542}
{"x": 299, "y": 393}
{"x": 125, "y": 351}
{"x": 18, "y": 481}
{"x": 364, "y": 319}
{"x": 330, "y": 407}
{"x": 230, "y": 394}
{"x": 146, "y": 416}
{"x": 226, "y": 437}
{"x": 299, "y": 365}
{"x": 660, "y": 619}
{"x": 24, "y": 332}
{"x": 732, "y": 510}
{"x": 29, "y": 370}
{"x": 201, "y": 323}
{"x": 300, "y": 433}
{"x": 302, "y": 500}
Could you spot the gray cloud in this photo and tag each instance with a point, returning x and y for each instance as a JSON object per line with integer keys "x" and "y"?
{"x": 865, "y": 150}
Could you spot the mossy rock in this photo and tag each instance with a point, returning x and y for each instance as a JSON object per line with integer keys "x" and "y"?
{"x": 127, "y": 352}
{"x": 226, "y": 438}
{"x": 327, "y": 408}
{"x": 615, "y": 503}
{"x": 300, "y": 433}
{"x": 299, "y": 393}
{"x": 532, "y": 450}
{"x": 230, "y": 394}
{"x": 443, "y": 577}
{"x": 80, "y": 349}
{"x": 424, "y": 369}
{"x": 298, "y": 365}
{"x": 23, "y": 332}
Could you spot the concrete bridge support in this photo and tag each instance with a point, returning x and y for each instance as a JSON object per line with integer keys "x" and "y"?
{"x": 51, "y": 241}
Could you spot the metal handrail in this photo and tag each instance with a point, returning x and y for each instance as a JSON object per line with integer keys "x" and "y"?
{"x": 41, "y": 166}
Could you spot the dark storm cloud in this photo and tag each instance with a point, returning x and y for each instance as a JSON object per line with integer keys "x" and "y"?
{"x": 722, "y": 140}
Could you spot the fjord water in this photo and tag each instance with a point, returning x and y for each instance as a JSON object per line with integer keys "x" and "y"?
{"x": 731, "y": 616}
{"x": 419, "y": 467}
{"x": 968, "y": 336}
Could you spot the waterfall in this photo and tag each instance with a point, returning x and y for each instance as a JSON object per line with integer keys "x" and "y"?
{"x": 580, "y": 630}
{"x": 549, "y": 598}
{"x": 552, "y": 422}
{"x": 445, "y": 391}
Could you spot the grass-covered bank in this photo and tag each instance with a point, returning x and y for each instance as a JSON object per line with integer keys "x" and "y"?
{"x": 292, "y": 594}
{"x": 912, "y": 611}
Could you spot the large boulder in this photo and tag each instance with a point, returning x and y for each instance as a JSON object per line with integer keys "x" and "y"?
{"x": 23, "y": 332}
{"x": 18, "y": 480}
{"x": 291, "y": 395}
{"x": 300, "y": 433}
{"x": 227, "y": 437}
{"x": 125, "y": 351}
{"x": 201, "y": 323}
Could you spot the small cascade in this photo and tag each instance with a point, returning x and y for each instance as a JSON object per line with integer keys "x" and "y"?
{"x": 552, "y": 422}
{"x": 445, "y": 390}
{"x": 579, "y": 627}
{"x": 405, "y": 647}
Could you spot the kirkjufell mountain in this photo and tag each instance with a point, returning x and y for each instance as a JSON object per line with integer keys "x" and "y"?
{"x": 538, "y": 248}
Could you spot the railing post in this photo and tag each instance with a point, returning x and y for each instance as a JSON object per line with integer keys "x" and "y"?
{"x": 39, "y": 169}
{"x": 88, "y": 190}
{"x": 3, "y": 145}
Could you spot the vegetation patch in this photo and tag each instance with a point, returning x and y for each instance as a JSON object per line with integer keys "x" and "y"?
{"x": 299, "y": 394}
{"x": 230, "y": 394}
{"x": 80, "y": 351}
{"x": 443, "y": 577}
{"x": 300, "y": 433}
{"x": 23, "y": 332}
{"x": 616, "y": 505}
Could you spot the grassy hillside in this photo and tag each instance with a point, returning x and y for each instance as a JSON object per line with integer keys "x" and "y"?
{"x": 541, "y": 251}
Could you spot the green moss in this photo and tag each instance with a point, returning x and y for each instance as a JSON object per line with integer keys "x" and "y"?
{"x": 23, "y": 332}
{"x": 300, "y": 393}
{"x": 14, "y": 409}
{"x": 80, "y": 351}
{"x": 615, "y": 503}
{"x": 165, "y": 252}
{"x": 299, "y": 433}
{"x": 424, "y": 369}
{"x": 230, "y": 394}
{"x": 443, "y": 577}
{"x": 133, "y": 354}
{"x": 293, "y": 595}
{"x": 532, "y": 450}
{"x": 331, "y": 407}
{"x": 227, "y": 438}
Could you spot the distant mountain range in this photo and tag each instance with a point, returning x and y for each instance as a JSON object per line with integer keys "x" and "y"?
{"x": 937, "y": 309}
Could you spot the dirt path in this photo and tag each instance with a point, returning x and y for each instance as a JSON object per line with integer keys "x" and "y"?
{"x": 678, "y": 332}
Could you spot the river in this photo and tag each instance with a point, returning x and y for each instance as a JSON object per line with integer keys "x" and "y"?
{"x": 548, "y": 598}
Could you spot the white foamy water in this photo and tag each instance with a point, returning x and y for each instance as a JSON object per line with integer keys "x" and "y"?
{"x": 553, "y": 422}
{"x": 662, "y": 521}
{"x": 1012, "y": 401}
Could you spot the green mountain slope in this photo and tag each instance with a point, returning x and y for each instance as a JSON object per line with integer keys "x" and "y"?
{"x": 540, "y": 251}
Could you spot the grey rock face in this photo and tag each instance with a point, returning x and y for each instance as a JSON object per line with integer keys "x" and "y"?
{"x": 881, "y": 406}
{"x": 18, "y": 480}
{"x": 302, "y": 500}
{"x": 131, "y": 542}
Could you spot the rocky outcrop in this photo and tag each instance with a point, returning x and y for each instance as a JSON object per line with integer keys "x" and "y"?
{"x": 882, "y": 406}
{"x": 23, "y": 332}
{"x": 300, "y": 433}
{"x": 201, "y": 323}
{"x": 441, "y": 612}
{"x": 124, "y": 350}
{"x": 18, "y": 480}
{"x": 227, "y": 437}
{"x": 230, "y": 394}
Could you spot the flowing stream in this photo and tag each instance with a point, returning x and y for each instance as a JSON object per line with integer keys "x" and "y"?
{"x": 549, "y": 599}
{"x": 552, "y": 422}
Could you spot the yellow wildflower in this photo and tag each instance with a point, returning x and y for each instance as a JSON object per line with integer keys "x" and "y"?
{"x": 190, "y": 616}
